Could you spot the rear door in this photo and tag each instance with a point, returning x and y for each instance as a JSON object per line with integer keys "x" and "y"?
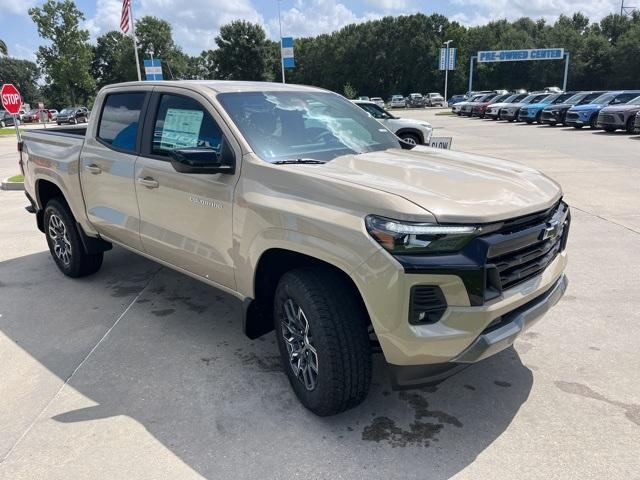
{"x": 107, "y": 166}
{"x": 186, "y": 219}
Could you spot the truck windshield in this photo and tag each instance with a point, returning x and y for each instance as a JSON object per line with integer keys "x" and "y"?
{"x": 304, "y": 125}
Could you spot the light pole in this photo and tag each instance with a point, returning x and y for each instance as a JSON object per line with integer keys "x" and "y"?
{"x": 446, "y": 69}
{"x": 281, "y": 58}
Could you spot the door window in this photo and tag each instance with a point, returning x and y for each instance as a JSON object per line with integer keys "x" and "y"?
{"x": 120, "y": 120}
{"x": 182, "y": 122}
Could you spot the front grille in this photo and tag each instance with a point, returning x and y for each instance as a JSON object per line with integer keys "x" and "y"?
{"x": 606, "y": 118}
{"x": 543, "y": 236}
{"x": 572, "y": 116}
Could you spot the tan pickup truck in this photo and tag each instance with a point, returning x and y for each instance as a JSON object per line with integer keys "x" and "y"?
{"x": 325, "y": 225}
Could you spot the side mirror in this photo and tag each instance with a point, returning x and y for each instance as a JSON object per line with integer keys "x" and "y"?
{"x": 204, "y": 160}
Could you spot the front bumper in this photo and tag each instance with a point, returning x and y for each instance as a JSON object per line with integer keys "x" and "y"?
{"x": 509, "y": 115}
{"x": 551, "y": 118}
{"x": 495, "y": 338}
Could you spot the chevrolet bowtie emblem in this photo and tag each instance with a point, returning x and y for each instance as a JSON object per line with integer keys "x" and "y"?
{"x": 551, "y": 231}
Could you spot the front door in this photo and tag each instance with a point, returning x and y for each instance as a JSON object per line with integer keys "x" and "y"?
{"x": 186, "y": 219}
{"x": 107, "y": 168}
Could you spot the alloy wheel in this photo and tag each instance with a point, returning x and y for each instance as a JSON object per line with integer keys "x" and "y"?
{"x": 303, "y": 358}
{"x": 61, "y": 244}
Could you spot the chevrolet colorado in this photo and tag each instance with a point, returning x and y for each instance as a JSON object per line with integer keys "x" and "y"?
{"x": 328, "y": 228}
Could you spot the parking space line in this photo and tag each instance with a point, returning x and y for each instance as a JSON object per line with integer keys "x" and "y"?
{"x": 57, "y": 394}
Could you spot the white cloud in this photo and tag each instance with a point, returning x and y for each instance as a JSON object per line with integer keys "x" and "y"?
{"x": 314, "y": 17}
{"x": 17, "y": 50}
{"x": 14, "y": 7}
{"x": 195, "y": 24}
{"x": 389, "y": 5}
{"x": 481, "y": 11}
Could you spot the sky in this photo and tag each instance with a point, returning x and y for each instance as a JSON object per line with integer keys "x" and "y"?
{"x": 196, "y": 22}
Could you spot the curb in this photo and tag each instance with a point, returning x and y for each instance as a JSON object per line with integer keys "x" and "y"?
{"x": 11, "y": 185}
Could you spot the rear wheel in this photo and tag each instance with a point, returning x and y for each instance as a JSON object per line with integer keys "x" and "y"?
{"x": 65, "y": 244}
{"x": 593, "y": 122}
{"x": 322, "y": 335}
{"x": 539, "y": 118}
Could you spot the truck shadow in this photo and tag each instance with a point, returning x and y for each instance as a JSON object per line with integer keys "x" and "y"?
{"x": 178, "y": 363}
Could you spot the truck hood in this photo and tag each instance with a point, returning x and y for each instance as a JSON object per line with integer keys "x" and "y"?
{"x": 453, "y": 186}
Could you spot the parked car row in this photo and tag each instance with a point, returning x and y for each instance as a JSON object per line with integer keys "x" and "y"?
{"x": 69, "y": 115}
{"x": 413, "y": 100}
{"x": 606, "y": 110}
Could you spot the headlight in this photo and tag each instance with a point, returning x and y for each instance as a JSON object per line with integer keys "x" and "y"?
{"x": 400, "y": 237}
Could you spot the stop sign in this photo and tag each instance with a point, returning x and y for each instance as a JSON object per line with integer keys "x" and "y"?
{"x": 11, "y": 99}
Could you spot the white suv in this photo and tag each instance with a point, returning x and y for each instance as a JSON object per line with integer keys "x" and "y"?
{"x": 412, "y": 131}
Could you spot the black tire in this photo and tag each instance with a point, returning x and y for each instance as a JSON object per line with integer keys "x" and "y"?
{"x": 2, "y": 124}
{"x": 630, "y": 128}
{"x": 529, "y": 122}
{"x": 539, "y": 118}
{"x": 593, "y": 122}
{"x": 410, "y": 138}
{"x": 578, "y": 127}
{"x": 337, "y": 331}
{"x": 76, "y": 263}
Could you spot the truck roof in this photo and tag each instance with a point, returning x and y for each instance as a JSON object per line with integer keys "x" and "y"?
{"x": 220, "y": 86}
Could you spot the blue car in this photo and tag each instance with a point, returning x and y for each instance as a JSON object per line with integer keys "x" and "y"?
{"x": 533, "y": 112}
{"x": 581, "y": 115}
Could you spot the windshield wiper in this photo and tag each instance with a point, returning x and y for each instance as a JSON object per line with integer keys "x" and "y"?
{"x": 302, "y": 161}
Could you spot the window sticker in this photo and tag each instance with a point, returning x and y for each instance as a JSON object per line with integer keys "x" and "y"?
{"x": 181, "y": 128}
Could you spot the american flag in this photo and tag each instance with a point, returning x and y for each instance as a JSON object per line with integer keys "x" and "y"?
{"x": 124, "y": 19}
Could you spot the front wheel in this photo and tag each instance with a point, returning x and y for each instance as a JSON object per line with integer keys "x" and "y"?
{"x": 593, "y": 123}
{"x": 321, "y": 330}
{"x": 410, "y": 138}
{"x": 65, "y": 244}
{"x": 630, "y": 126}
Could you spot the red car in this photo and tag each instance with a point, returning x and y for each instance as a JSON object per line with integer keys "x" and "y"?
{"x": 34, "y": 116}
{"x": 480, "y": 108}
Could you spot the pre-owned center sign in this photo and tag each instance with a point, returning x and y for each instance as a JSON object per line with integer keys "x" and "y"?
{"x": 521, "y": 55}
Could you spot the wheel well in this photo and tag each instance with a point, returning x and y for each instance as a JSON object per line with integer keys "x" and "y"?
{"x": 417, "y": 133}
{"x": 273, "y": 264}
{"x": 45, "y": 191}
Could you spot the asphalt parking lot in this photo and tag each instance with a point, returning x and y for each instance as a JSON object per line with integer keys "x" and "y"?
{"x": 140, "y": 372}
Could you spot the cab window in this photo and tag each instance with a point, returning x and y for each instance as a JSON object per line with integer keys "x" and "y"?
{"x": 182, "y": 122}
{"x": 120, "y": 120}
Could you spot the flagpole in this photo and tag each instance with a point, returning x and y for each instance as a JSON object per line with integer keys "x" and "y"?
{"x": 135, "y": 39}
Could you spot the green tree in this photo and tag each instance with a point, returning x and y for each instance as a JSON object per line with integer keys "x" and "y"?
{"x": 241, "y": 51}
{"x": 113, "y": 59}
{"x": 155, "y": 39}
{"x": 3, "y": 48}
{"x": 23, "y": 74}
{"x": 66, "y": 60}
{"x": 349, "y": 91}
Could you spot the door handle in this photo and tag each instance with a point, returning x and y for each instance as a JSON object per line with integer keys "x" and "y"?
{"x": 93, "y": 168}
{"x": 148, "y": 182}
